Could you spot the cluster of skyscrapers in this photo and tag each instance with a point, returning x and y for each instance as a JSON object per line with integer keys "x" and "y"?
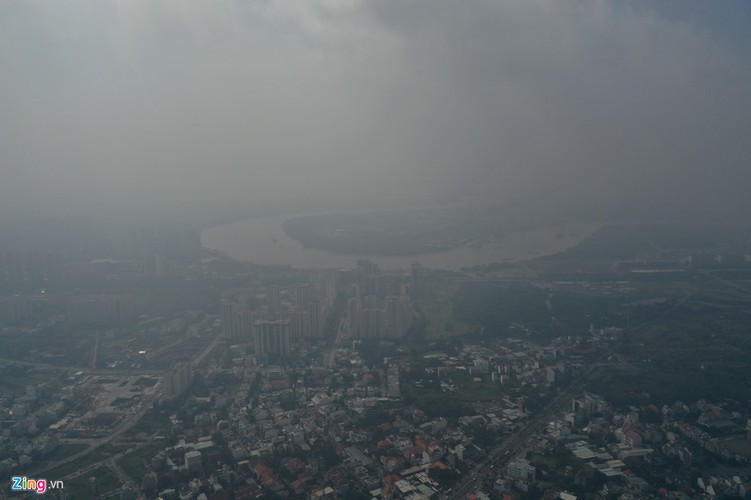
{"x": 379, "y": 305}
{"x": 99, "y": 309}
{"x": 30, "y": 267}
{"x": 278, "y": 318}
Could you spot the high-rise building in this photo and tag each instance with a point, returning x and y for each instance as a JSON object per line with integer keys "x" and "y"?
{"x": 99, "y": 309}
{"x": 521, "y": 470}
{"x": 370, "y": 302}
{"x": 161, "y": 265}
{"x": 330, "y": 286}
{"x": 390, "y": 283}
{"x": 303, "y": 295}
{"x": 372, "y": 323}
{"x": 229, "y": 321}
{"x": 415, "y": 278}
{"x": 193, "y": 460}
{"x": 587, "y": 405}
{"x": 245, "y": 321}
{"x": 14, "y": 309}
{"x": 273, "y": 299}
{"x": 247, "y": 301}
{"x": 392, "y": 382}
{"x": 178, "y": 379}
{"x": 272, "y": 338}
{"x": 393, "y": 317}
{"x": 297, "y": 323}
{"x": 369, "y": 277}
{"x": 353, "y": 316}
{"x": 398, "y": 315}
{"x": 314, "y": 319}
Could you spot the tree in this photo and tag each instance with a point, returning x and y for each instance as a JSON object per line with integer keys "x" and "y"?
{"x": 445, "y": 477}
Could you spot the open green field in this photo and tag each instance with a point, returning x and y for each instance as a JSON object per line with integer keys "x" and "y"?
{"x": 80, "y": 487}
{"x": 150, "y": 423}
{"x": 741, "y": 446}
{"x": 98, "y": 455}
{"x": 440, "y": 321}
{"x": 470, "y": 391}
{"x": 696, "y": 345}
{"x": 429, "y": 397}
{"x": 62, "y": 452}
{"x": 65, "y": 450}
{"x": 133, "y": 463}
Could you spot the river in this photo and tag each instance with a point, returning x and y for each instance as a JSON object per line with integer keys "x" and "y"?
{"x": 263, "y": 241}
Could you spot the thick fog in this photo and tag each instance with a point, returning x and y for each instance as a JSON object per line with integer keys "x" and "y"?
{"x": 112, "y": 104}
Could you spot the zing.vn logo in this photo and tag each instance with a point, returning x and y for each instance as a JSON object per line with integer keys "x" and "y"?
{"x": 38, "y": 486}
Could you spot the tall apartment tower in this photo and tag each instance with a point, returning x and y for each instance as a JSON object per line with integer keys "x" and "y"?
{"x": 298, "y": 322}
{"x": 314, "y": 319}
{"x": 303, "y": 296}
{"x": 415, "y": 278}
{"x": 393, "y": 318}
{"x": 273, "y": 300}
{"x": 177, "y": 380}
{"x": 398, "y": 315}
{"x": 272, "y": 338}
{"x": 229, "y": 321}
{"x": 370, "y": 302}
{"x": 331, "y": 286}
{"x": 247, "y": 301}
{"x": 245, "y": 321}
{"x": 354, "y": 306}
{"x": 369, "y": 277}
{"x": 372, "y": 323}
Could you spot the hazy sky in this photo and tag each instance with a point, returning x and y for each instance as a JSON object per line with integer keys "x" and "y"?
{"x": 110, "y": 103}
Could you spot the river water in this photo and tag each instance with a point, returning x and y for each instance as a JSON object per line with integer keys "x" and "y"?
{"x": 263, "y": 241}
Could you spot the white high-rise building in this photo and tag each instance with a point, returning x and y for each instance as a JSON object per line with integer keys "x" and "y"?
{"x": 521, "y": 469}
{"x": 273, "y": 300}
{"x": 229, "y": 321}
{"x": 297, "y": 323}
{"x": 314, "y": 319}
{"x": 398, "y": 315}
{"x": 303, "y": 296}
{"x": 272, "y": 337}
{"x": 244, "y": 323}
{"x": 353, "y": 316}
{"x": 177, "y": 380}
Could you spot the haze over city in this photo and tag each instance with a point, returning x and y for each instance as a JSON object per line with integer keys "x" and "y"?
{"x": 375, "y": 249}
{"x": 119, "y": 106}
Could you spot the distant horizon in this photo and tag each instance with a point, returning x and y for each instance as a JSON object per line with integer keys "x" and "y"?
{"x": 202, "y": 216}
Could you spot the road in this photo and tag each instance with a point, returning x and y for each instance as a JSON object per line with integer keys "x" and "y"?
{"x": 504, "y": 453}
{"x": 125, "y": 479}
{"x": 129, "y": 421}
{"x": 340, "y": 333}
{"x": 94, "y": 354}
{"x": 206, "y": 351}
{"x": 124, "y": 426}
{"x": 34, "y": 364}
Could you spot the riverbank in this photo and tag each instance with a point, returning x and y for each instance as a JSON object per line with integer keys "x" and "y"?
{"x": 262, "y": 240}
